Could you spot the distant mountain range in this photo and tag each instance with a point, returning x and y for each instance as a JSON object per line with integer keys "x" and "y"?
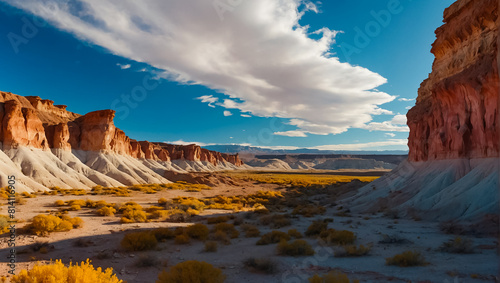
{"x": 263, "y": 151}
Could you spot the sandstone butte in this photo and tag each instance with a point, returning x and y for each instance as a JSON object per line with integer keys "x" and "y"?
{"x": 38, "y": 123}
{"x": 456, "y": 113}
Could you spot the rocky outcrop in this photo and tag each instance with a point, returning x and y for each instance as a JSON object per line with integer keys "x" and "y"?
{"x": 456, "y": 114}
{"x": 34, "y": 122}
{"x": 452, "y": 171}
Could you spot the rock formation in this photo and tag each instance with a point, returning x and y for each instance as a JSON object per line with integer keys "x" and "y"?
{"x": 37, "y": 137}
{"x": 452, "y": 171}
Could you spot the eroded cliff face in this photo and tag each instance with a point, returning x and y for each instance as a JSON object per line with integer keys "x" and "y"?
{"x": 34, "y": 122}
{"x": 456, "y": 113}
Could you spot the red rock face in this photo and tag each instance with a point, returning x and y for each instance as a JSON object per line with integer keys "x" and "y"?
{"x": 456, "y": 114}
{"x": 32, "y": 121}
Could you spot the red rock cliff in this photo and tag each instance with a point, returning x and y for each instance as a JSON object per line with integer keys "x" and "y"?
{"x": 456, "y": 113}
{"x": 34, "y": 122}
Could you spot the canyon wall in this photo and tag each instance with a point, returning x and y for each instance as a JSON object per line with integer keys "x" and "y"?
{"x": 456, "y": 113}
{"x": 452, "y": 171}
{"x": 33, "y": 122}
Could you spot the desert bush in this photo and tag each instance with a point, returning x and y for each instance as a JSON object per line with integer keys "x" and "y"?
{"x": 57, "y": 272}
{"x": 198, "y": 231}
{"x": 162, "y": 201}
{"x": 106, "y": 211}
{"x": 4, "y": 224}
{"x": 406, "y": 259}
{"x": 220, "y": 236}
{"x": 273, "y": 237}
{"x": 264, "y": 265}
{"x": 134, "y": 216}
{"x": 139, "y": 241}
{"x": 182, "y": 239}
{"x": 393, "y": 239}
{"x": 316, "y": 228}
{"x": 44, "y": 224}
{"x": 75, "y": 207}
{"x": 82, "y": 243}
{"x": 295, "y": 248}
{"x": 294, "y": 233}
{"x": 331, "y": 277}
{"x": 162, "y": 234}
{"x": 338, "y": 237}
{"x": 276, "y": 220}
{"x": 352, "y": 251}
{"x": 192, "y": 272}
{"x": 217, "y": 219}
{"x": 39, "y": 246}
{"x": 79, "y": 202}
{"x": 210, "y": 246}
{"x": 251, "y": 231}
{"x": 309, "y": 210}
{"x": 77, "y": 222}
{"x": 145, "y": 261}
{"x": 59, "y": 203}
{"x": 458, "y": 245}
{"x": 228, "y": 229}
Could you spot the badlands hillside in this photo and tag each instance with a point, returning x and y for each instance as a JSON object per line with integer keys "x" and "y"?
{"x": 452, "y": 171}
{"x": 43, "y": 145}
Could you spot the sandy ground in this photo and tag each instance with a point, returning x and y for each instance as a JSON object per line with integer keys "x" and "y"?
{"x": 105, "y": 234}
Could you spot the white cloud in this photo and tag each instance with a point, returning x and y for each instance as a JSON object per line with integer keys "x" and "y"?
{"x": 406, "y": 99}
{"x": 408, "y": 107}
{"x": 291, "y": 134}
{"x": 210, "y": 99}
{"x": 181, "y": 142}
{"x": 390, "y": 134}
{"x": 245, "y": 115}
{"x": 259, "y": 56}
{"x": 397, "y": 124}
{"x": 124, "y": 67}
{"x": 227, "y": 113}
{"x": 363, "y": 146}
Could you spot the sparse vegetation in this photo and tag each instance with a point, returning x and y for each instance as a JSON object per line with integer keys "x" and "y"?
{"x": 106, "y": 211}
{"x": 276, "y": 220}
{"x": 217, "y": 219}
{"x": 353, "y": 251}
{"x": 4, "y": 224}
{"x": 145, "y": 261}
{"x": 295, "y": 248}
{"x": 273, "y": 237}
{"x": 182, "y": 239}
{"x": 44, "y": 224}
{"x": 309, "y": 210}
{"x": 331, "y": 277}
{"x": 228, "y": 229}
{"x": 192, "y": 272}
{"x": 250, "y": 231}
{"x": 263, "y": 265}
{"x": 458, "y": 245}
{"x": 139, "y": 241}
{"x": 210, "y": 246}
{"x": 338, "y": 237}
{"x": 57, "y": 272}
{"x": 407, "y": 259}
{"x": 294, "y": 233}
{"x": 316, "y": 228}
{"x": 198, "y": 231}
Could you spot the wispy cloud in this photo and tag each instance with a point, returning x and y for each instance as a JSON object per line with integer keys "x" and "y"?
{"x": 291, "y": 76}
{"x": 390, "y": 134}
{"x": 291, "y": 134}
{"x": 209, "y": 99}
{"x": 363, "y": 146}
{"x": 124, "y": 67}
{"x": 227, "y": 113}
{"x": 246, "y": 115}
{"x": 396, "y": 124}
{"x": 181, "y": 142}
{"x": 406, "y": 99}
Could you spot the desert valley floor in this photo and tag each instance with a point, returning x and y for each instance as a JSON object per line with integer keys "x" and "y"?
{"x": 268, "y": 201}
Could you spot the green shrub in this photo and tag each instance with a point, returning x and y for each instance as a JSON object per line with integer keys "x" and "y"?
{"x": 316, "y": 228}
{"x": 263, "y": 265}
{"x": 192, "y": 272}
{"x": 331, "y": 277}
{"x": 406, "y": 259}
{"x": 139, "y": 241}
{"x": 295, "y": 248}
{"x": 338, "y": 237}
{"x": 273, "y": 237}
{"x": 210, "y": 246}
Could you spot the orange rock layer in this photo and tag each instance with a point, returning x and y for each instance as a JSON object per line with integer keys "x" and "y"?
{"x": 31, "y": 121}
{"x": 456, "y": 114}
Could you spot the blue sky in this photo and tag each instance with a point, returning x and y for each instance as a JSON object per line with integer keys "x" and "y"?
{"x": 329, "y": 75}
